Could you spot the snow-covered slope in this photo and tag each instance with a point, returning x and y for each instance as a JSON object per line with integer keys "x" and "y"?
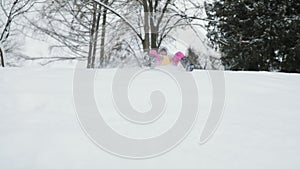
{"x": 39, "y": 127}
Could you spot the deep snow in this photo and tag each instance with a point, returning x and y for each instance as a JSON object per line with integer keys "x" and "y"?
{"x": 39, "y": 126}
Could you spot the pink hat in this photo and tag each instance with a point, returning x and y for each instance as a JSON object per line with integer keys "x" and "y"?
{"x": 178, "y": 56}
{"x": 154, "y": 53}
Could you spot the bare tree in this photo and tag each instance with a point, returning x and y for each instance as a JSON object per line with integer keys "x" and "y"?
{"x": 76, "y": 25}
{"x": 10, "y": 11}
{"x": 69, "y": 23}
{"x": 158, "y": 18}
{"x": 131, "y": 26}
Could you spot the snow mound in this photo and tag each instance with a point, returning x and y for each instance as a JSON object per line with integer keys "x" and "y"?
{"x": 39, "y": 127}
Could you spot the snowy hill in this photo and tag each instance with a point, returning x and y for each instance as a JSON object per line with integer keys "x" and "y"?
{"x": 39, "y": 126}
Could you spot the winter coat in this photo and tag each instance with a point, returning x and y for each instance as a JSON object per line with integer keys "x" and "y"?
{"x": 165, "y": 60}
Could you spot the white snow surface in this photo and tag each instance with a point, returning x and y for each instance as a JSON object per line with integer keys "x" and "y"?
{"x": 39, "y": 126}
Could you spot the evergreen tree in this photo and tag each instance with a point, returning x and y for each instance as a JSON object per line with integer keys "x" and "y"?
{"x": 256, "y": 35}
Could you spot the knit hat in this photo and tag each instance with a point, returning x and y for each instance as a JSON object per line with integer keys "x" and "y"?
{"x": 178, "y": 56}
{"x": 153, "y": 53}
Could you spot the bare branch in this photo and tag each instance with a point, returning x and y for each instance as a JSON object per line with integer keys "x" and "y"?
{"x": 120, "y": 16}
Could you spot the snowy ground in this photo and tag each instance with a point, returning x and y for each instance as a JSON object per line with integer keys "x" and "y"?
{"x": 39, "y": 126}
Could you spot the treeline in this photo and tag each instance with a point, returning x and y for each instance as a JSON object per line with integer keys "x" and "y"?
{"x": 104, "y": 32}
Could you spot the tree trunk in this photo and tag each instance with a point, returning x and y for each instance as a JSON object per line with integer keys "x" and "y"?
{"x": 154, "y": 28}
{"x": 92, "y": 38}
{"x": 154, "y": 35}
{"x": 89, "y": 65}
{"x": 2, "y": 58}
{"x": 98, "y": 15}
{"x": 146, "y": 41}
{"x": 95, "y": 30}
{"x": 103, "y": 34}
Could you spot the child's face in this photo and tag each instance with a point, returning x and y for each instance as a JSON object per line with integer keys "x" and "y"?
{"x": 163, "y": 53}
